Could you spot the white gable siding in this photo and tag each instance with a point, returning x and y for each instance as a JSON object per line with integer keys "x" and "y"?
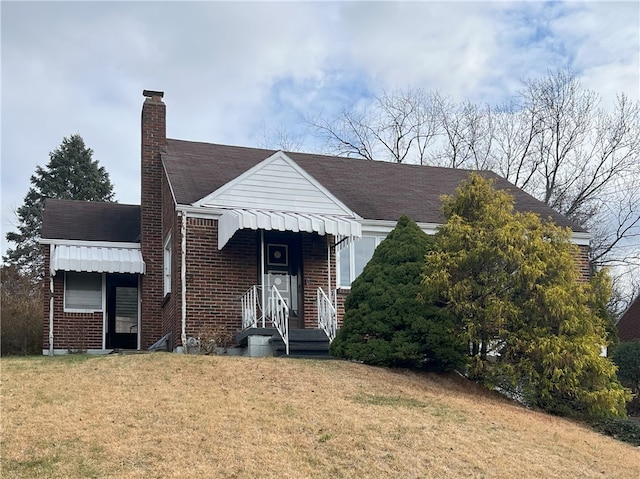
{"x": 277, "y": 184}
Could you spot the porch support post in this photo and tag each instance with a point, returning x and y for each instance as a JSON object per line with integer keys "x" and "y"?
{"x": 51, "y": 251}
{"x": 183, "y": 279}
{"x": 262, "y": 289}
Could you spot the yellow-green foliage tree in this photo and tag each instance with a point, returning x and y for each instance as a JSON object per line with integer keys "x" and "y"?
{"x": 532, "y": 326}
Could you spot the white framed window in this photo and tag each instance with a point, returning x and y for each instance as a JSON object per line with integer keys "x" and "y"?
{"x": 353, "y": 257}
{"x": 83, "y": 292}
{"x": 168, "y": 253}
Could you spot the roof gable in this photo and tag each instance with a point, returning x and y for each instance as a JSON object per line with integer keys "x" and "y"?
{"x": 276, "y": 184}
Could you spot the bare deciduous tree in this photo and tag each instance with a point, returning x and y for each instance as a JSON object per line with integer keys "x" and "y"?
{"x": 553, "y": 140}
{"x": 398, "y": 127}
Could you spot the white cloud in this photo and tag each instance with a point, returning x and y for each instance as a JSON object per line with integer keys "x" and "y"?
{"x": 230, "y": 69}
{"x": 604, "y": 40}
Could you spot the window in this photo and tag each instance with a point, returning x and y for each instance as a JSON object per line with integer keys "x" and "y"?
{"x": 353, "y": 258}
{"x": 82, "y": 291}
{"x": 167, "y": 265}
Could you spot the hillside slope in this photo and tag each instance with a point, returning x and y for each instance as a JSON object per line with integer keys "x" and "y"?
{"x": 164, "y": 415}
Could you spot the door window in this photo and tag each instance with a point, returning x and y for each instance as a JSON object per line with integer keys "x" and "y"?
{"x": 126, "y": 309}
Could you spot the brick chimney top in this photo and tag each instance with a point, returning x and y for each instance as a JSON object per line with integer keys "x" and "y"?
{"x": 154, "y": 95}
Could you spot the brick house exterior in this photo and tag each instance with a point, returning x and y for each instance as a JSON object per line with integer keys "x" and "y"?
{"x": 219, "y": 223}
{"x": 86, "y": 236}
{"x": 629, "y": 323}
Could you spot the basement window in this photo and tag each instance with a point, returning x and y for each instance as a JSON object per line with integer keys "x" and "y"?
{"x": 82, "y": 292}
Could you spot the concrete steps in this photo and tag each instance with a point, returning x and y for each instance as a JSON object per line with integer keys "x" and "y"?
{"x": 303, "y": 343}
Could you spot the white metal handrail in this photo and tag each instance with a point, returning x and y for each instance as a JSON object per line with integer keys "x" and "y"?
{"x": 327, "y": 315}
{"x": 279, "y": 312}
{"x": 251, "y": 307}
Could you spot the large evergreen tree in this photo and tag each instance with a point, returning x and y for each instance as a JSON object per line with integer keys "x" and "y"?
{"x": 511, "y": 281}
{"x": 70, "y": 174}
{"x": 384, "y": 322}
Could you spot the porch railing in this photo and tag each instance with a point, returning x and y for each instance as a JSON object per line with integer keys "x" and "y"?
{"x": 327, "y": 315}
{"x": 251, "y": 310}
{"x": 278, "y": 311}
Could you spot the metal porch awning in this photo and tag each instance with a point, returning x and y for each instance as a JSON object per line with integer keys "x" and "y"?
{"x": 237, "y": 219}
{"x": 97, "y": 259}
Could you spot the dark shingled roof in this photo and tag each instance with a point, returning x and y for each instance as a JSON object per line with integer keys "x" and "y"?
{"x": 90, "y": 221}
{"x": 373, "y": 189}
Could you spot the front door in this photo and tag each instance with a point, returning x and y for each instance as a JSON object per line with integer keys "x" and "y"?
{"x": 122, "y": 311}
{"x": 283, "y": 269}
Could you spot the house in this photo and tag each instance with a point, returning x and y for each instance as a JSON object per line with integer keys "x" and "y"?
{"x": 230, "y": 239}
{"x": 629, "y": 323}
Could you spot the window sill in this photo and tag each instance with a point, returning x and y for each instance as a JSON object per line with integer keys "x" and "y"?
{"x": 83, "y": 311}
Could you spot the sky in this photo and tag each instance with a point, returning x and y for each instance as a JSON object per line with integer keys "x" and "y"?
{"x": 240, "y": 73}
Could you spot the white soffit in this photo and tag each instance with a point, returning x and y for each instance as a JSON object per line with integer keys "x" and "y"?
{"x": 97, "y": 259}
{"x": 237, "y": 219}
{"x": 277, "y": 184}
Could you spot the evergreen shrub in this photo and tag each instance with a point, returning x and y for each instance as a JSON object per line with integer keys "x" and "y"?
{"x": 626, "y": 356}
{"x": 385, "y": 323}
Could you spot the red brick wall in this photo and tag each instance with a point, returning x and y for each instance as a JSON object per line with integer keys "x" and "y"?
{"x": 153, "y": 136}
{"x": 217, "y": 279}
{"x": 171, "y": 304}
{"x": 584, "y": 268}
{"x": 342, "y": 296}
{"x": 71, "y": 331}
{"x": 315, "y": 274}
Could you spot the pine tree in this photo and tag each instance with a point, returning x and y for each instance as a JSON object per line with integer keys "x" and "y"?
{"x": 511, "y": 281}
{"x": 384, "y": 322}
{"x": 70, "y": 174}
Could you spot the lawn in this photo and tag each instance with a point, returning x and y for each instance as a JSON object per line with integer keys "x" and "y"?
{"x": 166, "y": 415}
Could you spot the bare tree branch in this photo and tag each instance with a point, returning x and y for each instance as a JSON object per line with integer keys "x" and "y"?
{"x": 553, "y": 140}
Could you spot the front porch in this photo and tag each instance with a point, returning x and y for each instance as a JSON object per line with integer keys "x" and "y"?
{"x": 266, "y": 314}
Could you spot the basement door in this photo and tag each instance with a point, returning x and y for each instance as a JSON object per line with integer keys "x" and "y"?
{"x": 283, "y": 269}
{"x": 122, "y": 311}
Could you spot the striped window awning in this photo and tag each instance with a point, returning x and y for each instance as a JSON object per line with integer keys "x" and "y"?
{"x": 237, "y": 219}
{"x": 97, "y": 259}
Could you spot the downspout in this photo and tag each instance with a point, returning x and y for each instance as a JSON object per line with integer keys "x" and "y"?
{"x": 183, "y": 278}
{"x": 51, "y": 316}
{"x": 51, "y": 248}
